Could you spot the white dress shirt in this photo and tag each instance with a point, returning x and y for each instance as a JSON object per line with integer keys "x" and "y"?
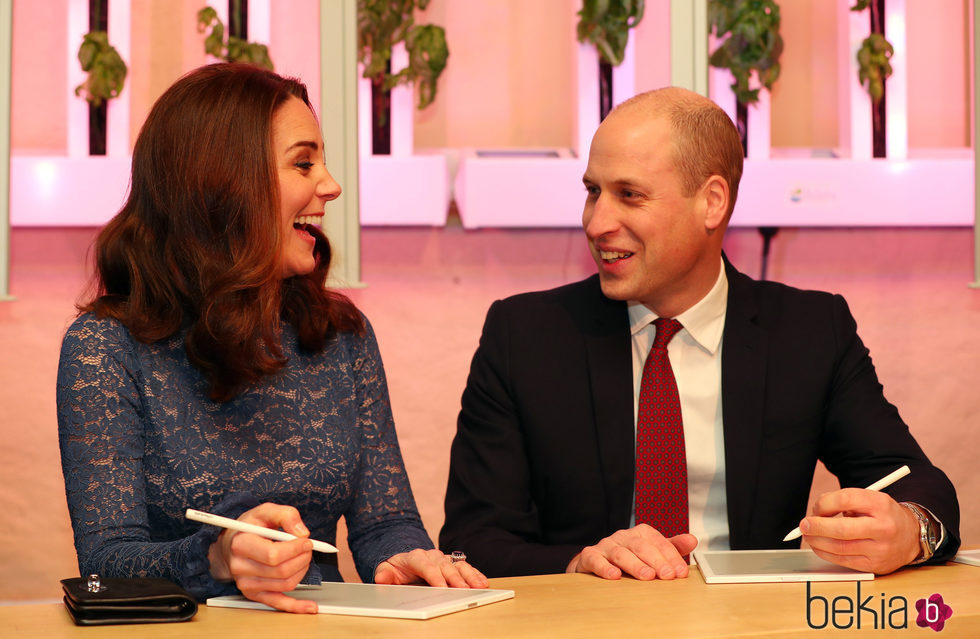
{"x": 695, "y": 357}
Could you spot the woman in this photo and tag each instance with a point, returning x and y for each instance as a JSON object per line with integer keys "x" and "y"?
{"x": 213, "y": 370}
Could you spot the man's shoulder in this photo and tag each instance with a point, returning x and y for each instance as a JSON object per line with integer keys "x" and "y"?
{"x": 580, "y": 301}
{"x": 584, "y": 290}
{"x": 770, "y": 292}
{"x": 774, "y": 304}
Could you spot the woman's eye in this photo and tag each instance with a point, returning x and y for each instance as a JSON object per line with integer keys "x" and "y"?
{"x": 305, "y": 165}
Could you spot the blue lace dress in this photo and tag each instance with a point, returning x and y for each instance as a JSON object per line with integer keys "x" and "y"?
{"x": 141, "y": 442}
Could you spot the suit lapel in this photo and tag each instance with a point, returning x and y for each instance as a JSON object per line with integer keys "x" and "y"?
{"x": 607, "y": 347}
{"x": 743, "y": 374}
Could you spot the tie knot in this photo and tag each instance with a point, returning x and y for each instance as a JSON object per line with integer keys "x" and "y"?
{"x": 666, "y": 329}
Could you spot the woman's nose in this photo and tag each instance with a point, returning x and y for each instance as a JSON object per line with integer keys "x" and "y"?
{"x": 327, "y": 188}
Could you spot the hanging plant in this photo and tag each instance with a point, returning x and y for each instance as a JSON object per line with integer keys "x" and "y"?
{"x": 874, "y": 56}
{"x": 752, "y": 43}
{"x": 606, "y": 24}
{"x": 234, "y": 49}
{"x": 381, "y": 24}
{"x": 105, "y": 67}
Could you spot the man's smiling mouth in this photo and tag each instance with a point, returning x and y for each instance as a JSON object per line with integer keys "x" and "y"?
{"x": 614, "y": 256}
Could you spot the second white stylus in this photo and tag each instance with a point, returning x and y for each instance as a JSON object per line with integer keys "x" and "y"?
{"x": 884, "y": 482}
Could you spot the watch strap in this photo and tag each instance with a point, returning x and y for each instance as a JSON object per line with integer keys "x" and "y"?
{"x": 927, "y": 537}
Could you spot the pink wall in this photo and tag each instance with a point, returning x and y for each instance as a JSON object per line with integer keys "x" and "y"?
{"x": 38, "y": 109}
{"x": 939, "y": 73}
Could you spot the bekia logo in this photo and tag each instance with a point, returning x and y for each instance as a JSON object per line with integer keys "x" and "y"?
{"x": 843, "y": 612}
{"x": 933, "y": 612}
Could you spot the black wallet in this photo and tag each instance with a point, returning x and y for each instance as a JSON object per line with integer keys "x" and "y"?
{"x": 95, "y": 602}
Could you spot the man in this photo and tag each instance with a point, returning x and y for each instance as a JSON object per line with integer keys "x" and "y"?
{"x": 768, "y": 378}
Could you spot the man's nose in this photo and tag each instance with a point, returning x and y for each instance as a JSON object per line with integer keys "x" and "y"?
{"x": 599, "y": 217}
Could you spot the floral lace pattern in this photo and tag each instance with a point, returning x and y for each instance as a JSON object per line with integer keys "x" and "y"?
{"x": 141, "y": 442}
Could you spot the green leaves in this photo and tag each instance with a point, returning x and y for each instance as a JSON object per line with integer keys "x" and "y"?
{"x": 235, "y": 49}
{"x": 106, "y": 69}
{"x": 753, "y": 43}
{"x": 381, "y": 24}
{"x": 606, "y": 24}
{"x": 427, "y": 57}
{"x": 874, "y": 65}
{"x": 874, "y": 56}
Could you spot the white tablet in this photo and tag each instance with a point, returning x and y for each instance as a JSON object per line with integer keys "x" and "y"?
{"x": 374, "y": 600}
{"x": 758, "y": 566}
{"x": 971, "y": 557}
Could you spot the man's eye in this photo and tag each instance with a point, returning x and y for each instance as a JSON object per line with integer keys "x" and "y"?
{"x": 592, "y": 190}
{"x": 629, "y": 194}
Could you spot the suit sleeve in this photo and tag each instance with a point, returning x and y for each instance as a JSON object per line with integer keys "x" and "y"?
{"x": 490, "y": 511}
{"x": 866, "y": 438}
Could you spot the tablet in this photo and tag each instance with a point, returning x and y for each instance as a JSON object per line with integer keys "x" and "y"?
{"x": 759, "y": 566}
{"x": 376, "y": 600}
{"x": 971, "y": 557}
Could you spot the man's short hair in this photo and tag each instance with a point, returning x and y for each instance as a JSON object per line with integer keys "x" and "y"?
{"x": 705, "y": 139}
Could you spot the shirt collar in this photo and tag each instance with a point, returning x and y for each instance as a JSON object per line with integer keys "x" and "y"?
{"x": 704, "y": 322}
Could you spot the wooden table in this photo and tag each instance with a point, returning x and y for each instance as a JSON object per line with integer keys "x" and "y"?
{"x": 570, "y": 606}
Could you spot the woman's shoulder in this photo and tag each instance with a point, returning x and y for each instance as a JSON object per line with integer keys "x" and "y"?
{"x": 91, "y": 329}
{"x": 343, "y": 346}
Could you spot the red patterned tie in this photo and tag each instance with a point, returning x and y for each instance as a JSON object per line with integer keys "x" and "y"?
{"x": 661, "y": 460}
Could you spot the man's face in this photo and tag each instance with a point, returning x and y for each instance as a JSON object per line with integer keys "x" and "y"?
{"x": 648, "y": 239}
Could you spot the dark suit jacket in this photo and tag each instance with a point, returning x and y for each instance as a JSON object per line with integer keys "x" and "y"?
{"x": 542, "y": 461}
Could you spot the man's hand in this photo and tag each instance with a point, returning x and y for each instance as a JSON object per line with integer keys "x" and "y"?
{"x": 876, "y": 533}
{"x": 641, "y": 552}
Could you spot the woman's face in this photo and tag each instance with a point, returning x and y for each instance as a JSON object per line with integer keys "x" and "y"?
{"x": 305, "y": 185}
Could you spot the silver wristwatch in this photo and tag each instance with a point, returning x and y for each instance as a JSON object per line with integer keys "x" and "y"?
{"x": 927, "y": 533}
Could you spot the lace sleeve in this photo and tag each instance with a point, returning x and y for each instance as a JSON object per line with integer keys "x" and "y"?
{"x": 382, "y": 519}
{"x": 101, "y": 434}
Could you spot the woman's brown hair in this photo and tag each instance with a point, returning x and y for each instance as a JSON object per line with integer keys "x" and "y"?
{"x": 196, "y": 246}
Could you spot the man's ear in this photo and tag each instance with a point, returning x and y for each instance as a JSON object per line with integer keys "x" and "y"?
{"x": 715, "y": 193}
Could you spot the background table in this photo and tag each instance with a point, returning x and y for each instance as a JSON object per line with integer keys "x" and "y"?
{"x": 571, "y": 606}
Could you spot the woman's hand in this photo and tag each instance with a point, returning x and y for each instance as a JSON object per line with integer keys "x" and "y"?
{"x": 430, "y": 567}
{"x": 261, "y": 568}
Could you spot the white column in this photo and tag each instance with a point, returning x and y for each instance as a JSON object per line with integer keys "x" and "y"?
{"x": 896, "y": 87}
{"x": 587, "y": 97}
{"x": 6, "y": 35}
{"x": 759, "y": 114}
{"x": 259, "y": 21}
{"x": 975, "y": 51}
{"x": 117, "y": 111}
{"x": 402, "y": 112}
{"x": 338, "y": 119}
{"x": 689, "y": 45}
{"x": 624, "y": 75}
{"x": 402, "y": 107}
{"x": 77, "y": 106}
{"x": 854, "y": 103}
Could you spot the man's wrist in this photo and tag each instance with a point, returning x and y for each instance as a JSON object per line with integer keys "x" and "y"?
{"x": 929, "y": 532}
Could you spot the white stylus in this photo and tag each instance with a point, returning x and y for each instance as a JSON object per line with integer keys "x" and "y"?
{"x": 241, "y": 526}
{"x": 884, "y": 482}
